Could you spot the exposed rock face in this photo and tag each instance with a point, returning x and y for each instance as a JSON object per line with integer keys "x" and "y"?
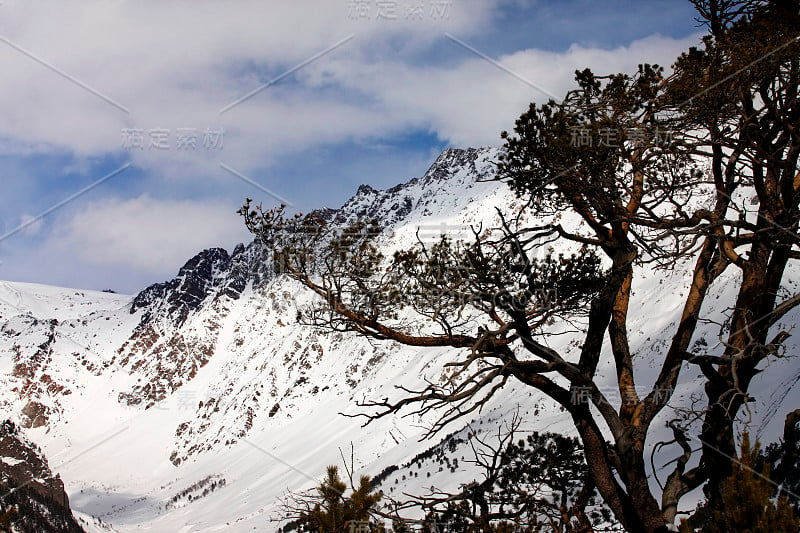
{"x": 169, "y": 346}
{"x": 211, "y": 274}
{"x": 33, "y": 498}
{"x": 32, "y": 364}
{"x": 199, "y": 278}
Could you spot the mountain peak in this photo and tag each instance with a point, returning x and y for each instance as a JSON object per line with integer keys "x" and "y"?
{"x": 364, "y": 189}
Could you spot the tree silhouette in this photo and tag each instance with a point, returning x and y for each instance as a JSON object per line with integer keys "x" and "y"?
{"x": 723, "y": 195}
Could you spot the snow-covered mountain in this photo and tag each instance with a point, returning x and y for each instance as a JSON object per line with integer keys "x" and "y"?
{"x": 193, "y": 405}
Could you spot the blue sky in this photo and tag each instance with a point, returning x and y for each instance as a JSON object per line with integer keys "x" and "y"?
{"x": 146, "y": 86}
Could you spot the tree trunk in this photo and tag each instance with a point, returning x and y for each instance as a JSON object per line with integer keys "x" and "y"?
{"x": 634, "y": 506}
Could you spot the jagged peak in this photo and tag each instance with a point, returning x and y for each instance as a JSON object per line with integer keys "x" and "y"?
{"x": 365, "y": 189}
{"x": 238, "y": 250}
{"x": 205, "y": 260}
{"x": 447, "y": 164}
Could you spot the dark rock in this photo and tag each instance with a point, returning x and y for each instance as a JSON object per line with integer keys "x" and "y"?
{"x": 35, "y": 494}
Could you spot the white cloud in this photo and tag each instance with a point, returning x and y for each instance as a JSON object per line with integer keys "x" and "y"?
{"x": 176, "y": 64}
{"x": 148, "y": 235}
{"x": 470, "y": 103}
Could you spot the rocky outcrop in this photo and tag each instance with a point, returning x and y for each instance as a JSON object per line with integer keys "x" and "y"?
{"x": 169, "y": 345}
{"x": 196, "y": 280}
{"x": 32, "y": 362}
{"x": 32, "y": 498}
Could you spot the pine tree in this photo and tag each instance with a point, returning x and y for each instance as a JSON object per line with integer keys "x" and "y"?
{"x": 532, "y": 485}
{"x": 748, "y": 507}
{"x": 330, "y": 510}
